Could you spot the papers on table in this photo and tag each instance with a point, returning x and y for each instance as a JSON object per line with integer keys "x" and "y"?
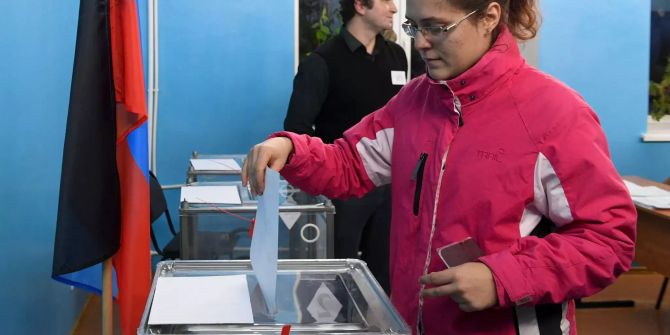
{"x": 226, "y": 194}
{"x": 645, "y": 191}
{"x": 265, "y": 243}
{"x": 654, "y": 202}
{"x": 201, "y": 300}
{"x": 217, "y": 164}
{"x": 649, "y": 196}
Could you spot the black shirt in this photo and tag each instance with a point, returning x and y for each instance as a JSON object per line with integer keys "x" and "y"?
{"x": 340, "y": 83}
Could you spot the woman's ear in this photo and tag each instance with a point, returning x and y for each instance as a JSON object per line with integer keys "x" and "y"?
{"x": 491, "y": 17}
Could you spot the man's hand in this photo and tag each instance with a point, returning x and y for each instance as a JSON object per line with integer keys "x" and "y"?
{"x": 470, "y": 285}
{"x": 273, "y": 153}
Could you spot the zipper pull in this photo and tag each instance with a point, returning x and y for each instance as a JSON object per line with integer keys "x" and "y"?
{"x": 419, "y": 164}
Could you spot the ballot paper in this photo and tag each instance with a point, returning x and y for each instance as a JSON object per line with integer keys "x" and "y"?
{"x": 215, "y": 164}
{"x": 265, "y": 241}
{"x": 226, "y": 194}
{"x": 201, "y": 300}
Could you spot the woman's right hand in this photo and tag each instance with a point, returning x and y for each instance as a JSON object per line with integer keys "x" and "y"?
{"x": 273, "y": 153}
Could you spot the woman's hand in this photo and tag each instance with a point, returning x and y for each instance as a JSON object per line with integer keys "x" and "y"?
{"x": 273, "y": 153}
{"x": 470, "y": 285}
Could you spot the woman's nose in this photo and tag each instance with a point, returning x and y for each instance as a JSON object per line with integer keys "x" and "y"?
{"x": 420, "y": 41}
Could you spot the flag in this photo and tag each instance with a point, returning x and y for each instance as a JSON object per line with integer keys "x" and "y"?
{"x": 103, "y": 208}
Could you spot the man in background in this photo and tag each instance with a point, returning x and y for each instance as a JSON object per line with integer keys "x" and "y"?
{"x": 343, "y": 80}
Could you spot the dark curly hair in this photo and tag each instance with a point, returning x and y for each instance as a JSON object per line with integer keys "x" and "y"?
{"x": 347, "y": 8}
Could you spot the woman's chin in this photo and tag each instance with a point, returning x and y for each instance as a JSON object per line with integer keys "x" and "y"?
{"x": 438, "y": 73}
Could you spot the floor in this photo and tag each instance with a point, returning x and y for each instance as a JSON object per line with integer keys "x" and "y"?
{"x": 90, "y": 322}
{"x": 642, "y": 287}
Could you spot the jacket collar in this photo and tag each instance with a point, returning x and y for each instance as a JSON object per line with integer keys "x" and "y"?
{"x": 493, "y": 69}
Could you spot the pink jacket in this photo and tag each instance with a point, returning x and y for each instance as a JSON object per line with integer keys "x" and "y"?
{"x": 527, "y": 174}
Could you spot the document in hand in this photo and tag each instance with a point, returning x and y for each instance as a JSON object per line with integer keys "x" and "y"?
{"x": 265, "y": 241}
{"x": 460, "y": 252}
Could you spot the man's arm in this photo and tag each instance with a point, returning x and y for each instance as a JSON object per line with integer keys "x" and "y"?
{"x": 310, "y": 89}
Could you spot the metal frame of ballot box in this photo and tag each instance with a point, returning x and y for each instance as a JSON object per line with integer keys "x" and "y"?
{"x": 313, "y": 296}
{"x": 306, "y": 237}
{"x": 192, "y": 174}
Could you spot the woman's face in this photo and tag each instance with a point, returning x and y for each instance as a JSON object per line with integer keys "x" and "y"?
{"x": 448, "y": 54}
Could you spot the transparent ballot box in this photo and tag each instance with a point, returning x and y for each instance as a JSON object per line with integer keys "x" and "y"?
{"x": 312, "y": 297}
{"x": 219, "y": 229}
{"x": 208, "y": 168}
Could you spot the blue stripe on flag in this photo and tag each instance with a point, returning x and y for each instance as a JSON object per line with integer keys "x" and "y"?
{"x": 89, "y": 279}
{"x": 138, "y": 144}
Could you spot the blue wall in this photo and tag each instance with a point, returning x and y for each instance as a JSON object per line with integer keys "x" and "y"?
{"x": 37, "y": 41}
{"x": 601, "y": 49}
{"x": 225, "y": 78}
{"x": 226, "y": 70}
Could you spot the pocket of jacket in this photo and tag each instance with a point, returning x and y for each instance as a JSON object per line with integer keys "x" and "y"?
{"x": 417, "y": 176}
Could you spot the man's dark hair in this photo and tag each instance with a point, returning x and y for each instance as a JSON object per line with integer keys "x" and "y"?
{"x": 347, "y": 8}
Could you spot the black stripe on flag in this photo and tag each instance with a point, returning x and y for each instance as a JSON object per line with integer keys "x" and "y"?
{"x": 88, "y": 224}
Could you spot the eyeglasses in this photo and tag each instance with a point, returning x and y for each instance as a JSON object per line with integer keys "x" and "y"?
{"x": 432, "y": 31}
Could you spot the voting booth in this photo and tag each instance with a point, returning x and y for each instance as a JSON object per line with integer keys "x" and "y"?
{"x": 312, "y": 297}
{"x": 215, "y": 219}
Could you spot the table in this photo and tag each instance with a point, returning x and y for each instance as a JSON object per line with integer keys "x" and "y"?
{"x": 652, "y": 248}
{"x": 653, "y": 233}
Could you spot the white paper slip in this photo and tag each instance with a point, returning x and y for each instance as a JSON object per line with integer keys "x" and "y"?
{"x": 201, "y": 300}
{"x": 224, "y": 164}
{"x": 645, "y": 191}
{"x": 653, "y": 202}
{"x": 226, "y": 194}
{"x": 265, "y": 242}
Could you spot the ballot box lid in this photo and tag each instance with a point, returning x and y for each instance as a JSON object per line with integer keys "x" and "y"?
{"x": 217, "y": 164}
{"x": 291, "y": 199}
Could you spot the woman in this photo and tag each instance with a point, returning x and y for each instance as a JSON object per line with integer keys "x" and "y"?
{"x": 483, "y": 146}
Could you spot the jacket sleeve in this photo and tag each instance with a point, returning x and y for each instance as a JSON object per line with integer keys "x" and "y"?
{"x": 351, "y": 166}
{"x": 579, "y": 190}
{"x": 310, "y": 89}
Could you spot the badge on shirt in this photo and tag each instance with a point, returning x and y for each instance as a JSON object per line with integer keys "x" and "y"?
{"x": 398, "y": 78}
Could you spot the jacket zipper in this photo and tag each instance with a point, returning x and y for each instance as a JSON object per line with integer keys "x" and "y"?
{"x": 443, "y": 166}
{"x": 417, "y": 175}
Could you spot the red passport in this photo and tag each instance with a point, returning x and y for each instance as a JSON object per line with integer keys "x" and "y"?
{"x": 460, "y": 252}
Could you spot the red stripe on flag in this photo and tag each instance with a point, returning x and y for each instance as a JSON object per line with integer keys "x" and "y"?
{"x": 127, "y": 65}
{"x": 132, "y": 262}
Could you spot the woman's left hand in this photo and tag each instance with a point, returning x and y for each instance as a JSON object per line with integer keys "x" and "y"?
{"x": 470, "y": 285}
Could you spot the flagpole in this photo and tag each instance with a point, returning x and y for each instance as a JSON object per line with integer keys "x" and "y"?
{"x": 107, "y": 308}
